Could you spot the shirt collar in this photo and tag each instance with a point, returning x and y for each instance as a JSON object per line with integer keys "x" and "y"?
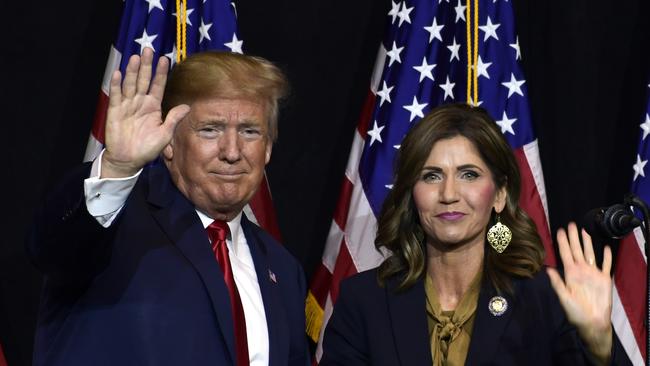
{"x": 234, "y": 225}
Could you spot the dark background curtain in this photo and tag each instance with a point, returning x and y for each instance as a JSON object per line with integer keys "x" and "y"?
{"x": 587, "y": 67}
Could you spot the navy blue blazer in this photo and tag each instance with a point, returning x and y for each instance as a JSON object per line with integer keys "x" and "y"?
{"x": 147, "y": 290}
{"x": 373, "y": 325}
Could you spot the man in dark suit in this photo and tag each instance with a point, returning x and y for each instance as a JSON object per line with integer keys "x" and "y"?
{"x": 154, "y": 263}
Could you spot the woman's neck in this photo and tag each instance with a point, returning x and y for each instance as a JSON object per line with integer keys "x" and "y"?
{"x": 452, "y": 271}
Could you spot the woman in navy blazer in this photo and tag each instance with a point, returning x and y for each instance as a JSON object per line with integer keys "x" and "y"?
{"x": 464, "y": 282}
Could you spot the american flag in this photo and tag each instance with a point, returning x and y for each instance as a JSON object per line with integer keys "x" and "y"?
{"x": 210, "y": 25}
{"x": 422, "y": 63}
{"x": 629, "y": 302}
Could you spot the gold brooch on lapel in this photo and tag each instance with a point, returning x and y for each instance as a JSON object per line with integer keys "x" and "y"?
{"x": 498, "y": 305}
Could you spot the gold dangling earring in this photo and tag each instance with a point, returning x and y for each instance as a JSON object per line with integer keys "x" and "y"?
{"x": 499, "y": 236}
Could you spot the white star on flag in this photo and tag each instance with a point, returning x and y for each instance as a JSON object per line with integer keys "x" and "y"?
{"x": 384, "y": 93}
{"x": 454, "y": 48}
{"x": 506, "y": 124}
{"x": 203, "y": 31}
{"x": 375, "y": 133}
{"x": 448, "y": 88}
{"x": 514, "y": 85}
{"x": 404, "y": 14}
{"x": 517, "y": 49}
{"x": 235, "y": 45}
{"x": 146, "y": 41}
{"x": 638, "y": 167}
{"x": 393, "y": 11}
{"x": 481, "y": 68}
{"x": 154, "y": 4}
{"x": 645, "y": 126}
{"x": 460, "y": 12}
{"x": 393, "y": 54}
{"x": 187, "y": 16}
{"x": 425, "y": 70}
{"x": 415, "y": 109}
{"x": 490, "y": 29}
{"x": 172, "y": 56}
{"x": 434, "y": 30}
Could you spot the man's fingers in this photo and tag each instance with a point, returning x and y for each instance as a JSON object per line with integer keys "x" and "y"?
{"x": 144, "y": 73}
{"x": 574, "y": 242}
{"x": 174, "y": 116}
{"x": 563, "y": 247}
{"x": 160, "y": 79}
{"x": 114, "y": 91}
{"x": 130, "y": 76}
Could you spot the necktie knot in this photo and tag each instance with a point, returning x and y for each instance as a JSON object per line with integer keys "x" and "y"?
{"x": 218, "y": 231}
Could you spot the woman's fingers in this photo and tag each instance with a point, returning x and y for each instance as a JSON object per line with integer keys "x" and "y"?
{"x": 607, "y": 260}
{"x": 574, "y": 242}
{"x": 564, "y": 249}
{"x": 588, "y": 248}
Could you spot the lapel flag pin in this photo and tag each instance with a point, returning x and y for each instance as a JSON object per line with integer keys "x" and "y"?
{"x": 498, "y": 305}
{"x": 272, "y": 277}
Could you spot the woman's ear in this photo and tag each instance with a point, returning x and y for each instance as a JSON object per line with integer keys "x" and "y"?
{"x": 500, "y": 199}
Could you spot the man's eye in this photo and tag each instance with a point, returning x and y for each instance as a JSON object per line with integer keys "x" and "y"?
{"x": 250, "y": 132}
{"x": 209, "y": 132}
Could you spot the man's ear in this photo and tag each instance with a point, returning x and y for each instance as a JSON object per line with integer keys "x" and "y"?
{"x": 269, "y": 148}
{"x": 168, "y": 151}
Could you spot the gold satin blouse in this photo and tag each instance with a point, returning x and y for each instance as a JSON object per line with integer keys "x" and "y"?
{"x": 450, "y": 331}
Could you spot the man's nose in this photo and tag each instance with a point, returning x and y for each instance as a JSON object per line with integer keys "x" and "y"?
{"x": 229, "y": 148}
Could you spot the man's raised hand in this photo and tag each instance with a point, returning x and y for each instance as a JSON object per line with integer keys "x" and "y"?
{"x": 135, "y": 131}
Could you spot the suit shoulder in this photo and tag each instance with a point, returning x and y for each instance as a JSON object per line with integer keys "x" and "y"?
{"x": 540, "y": 282}
{"x": 272, "y": 245}
{"x": 362, "y": 285}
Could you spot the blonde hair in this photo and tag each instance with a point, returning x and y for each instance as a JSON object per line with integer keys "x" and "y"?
{"x": 215, "y": 74}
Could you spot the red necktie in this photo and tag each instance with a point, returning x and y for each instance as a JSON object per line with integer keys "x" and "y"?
{"x": 218, "y": 231}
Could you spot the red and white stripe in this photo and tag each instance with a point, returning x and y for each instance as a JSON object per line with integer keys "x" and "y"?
{"x": 629, "y": 299}
{"x": 259, "y": 210}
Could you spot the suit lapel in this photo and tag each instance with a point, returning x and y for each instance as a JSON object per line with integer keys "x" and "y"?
{"x": 409, "y": 322}
{"x": 488, "y": 328}
{"x": 275, "y": 317}
{"x": 178, "y": 219}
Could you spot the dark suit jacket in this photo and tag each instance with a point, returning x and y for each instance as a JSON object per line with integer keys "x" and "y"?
{"x": 147, "y": 290}
{"x": 372, "y": 325}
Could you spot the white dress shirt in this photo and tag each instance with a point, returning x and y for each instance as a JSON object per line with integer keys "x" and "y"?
{"x": 105, "y": 198}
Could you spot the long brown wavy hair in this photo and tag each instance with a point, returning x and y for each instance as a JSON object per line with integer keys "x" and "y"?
{"x": 399, "y": 228}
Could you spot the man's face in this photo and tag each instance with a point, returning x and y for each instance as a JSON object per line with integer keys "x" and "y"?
{"x": 218, "y": 153}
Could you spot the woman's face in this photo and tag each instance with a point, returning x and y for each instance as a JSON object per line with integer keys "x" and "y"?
{"x": 455, "y": 194}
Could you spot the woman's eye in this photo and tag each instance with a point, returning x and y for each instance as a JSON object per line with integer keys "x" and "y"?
{"x": 430, "y": 177}
{"x": 469, "y": 174}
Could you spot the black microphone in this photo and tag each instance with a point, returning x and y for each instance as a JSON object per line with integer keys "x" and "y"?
{"x": 612, "y": 222}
